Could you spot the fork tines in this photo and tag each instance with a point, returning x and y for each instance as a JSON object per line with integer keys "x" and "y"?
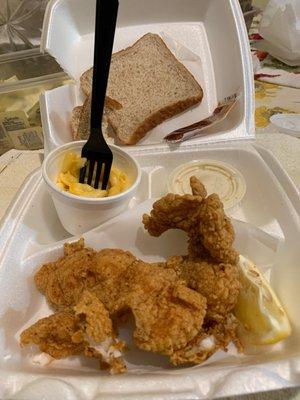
{"x": 96, "y": 169}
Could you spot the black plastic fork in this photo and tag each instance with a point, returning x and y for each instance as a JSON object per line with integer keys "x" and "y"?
{"x": 96, "y": 150}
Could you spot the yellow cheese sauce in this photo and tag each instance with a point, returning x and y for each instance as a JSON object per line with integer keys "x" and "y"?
{"x": 68, "y": 179}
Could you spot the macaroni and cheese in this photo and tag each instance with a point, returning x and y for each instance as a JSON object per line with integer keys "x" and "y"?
{"x": 68, "y": 179}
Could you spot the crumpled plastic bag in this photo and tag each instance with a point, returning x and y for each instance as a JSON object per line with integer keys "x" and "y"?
{"x": 280, "y": 27}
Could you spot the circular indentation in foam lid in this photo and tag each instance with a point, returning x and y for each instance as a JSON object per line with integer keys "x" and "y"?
{"x": 217, "y": 176}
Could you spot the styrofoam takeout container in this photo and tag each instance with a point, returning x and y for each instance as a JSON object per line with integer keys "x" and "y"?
{"x": 212, "y": 30}
{"x": 31, "y": 232}
{"x": 80, "y": 214}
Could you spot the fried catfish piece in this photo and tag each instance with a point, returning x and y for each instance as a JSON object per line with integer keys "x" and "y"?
{"x": 88, "y": 331}
{"x": 215, "y": 231}
{"x": 217, "y": 282}
{"x": 98, "y": 329}
{"x": 58, "y": 335}
{"x": 202, "y": 218}
{"x": 64, "y": 280}
{"x": 211, "y": 339}
{"x": 80, "y": 268}
{"x": 167, "y": 314}
{"x": 122, "y": 283}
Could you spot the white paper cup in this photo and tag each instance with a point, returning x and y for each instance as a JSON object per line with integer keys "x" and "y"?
{"x": 80, "y": 214}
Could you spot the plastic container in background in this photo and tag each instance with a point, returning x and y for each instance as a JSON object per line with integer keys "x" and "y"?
{"x": 20, "y": 24}
{"x": 249, "y": 12}
{"x": 224, "y": 54}
{"x": 80, "y": 214}
{"x": 25, "y": 65}
{"x": 279, "y": 27}
{"x": 23, "y": 77}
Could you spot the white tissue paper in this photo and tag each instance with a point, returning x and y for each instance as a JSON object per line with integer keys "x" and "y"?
{"x": 280, "y": 27}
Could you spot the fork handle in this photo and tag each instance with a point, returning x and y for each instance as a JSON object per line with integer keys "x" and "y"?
{"x": 106, "y": 18}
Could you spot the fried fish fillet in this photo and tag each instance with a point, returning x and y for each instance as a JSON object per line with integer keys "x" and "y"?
{"x": 87, "y": 331}
{"x": 202, "y": 218}
{"x": 58, "y": 335}
{"x": 63, "y": 281}
{"x": 209, "y": 340}
{"x": 217, "y": 282}
{"x": 178, "y": 305}
{"x": 167, "y": 313}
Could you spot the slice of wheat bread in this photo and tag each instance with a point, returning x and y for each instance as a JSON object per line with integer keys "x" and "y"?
{"x": 86, "y": 81}
{"x": 150, "y": 83}
{"x": 81, "y": 119}
{"x": 86, "y": 86}
{"x": 75, "y": 118}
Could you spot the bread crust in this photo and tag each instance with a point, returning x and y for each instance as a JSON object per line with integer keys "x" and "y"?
{"x": 155, "y": 119}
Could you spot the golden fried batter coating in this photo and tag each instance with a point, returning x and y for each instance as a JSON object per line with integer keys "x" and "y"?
{"x": 94, "y": 317}
{"x": 63, "y": 281}
{"x": 218, "y": 283}
{"x": 89, "y": 331}
{"x": 98, "y": 329}
{"x": 112, "y": 266}
{"x": 203, "y": 219}
{"x": 198, "y": 189}
{"x": 207, "y": 342}
{"x": 215, "y": 230}
{"x": 172, "y": 212}
{"x": 59, "y": 335}
{"x": 167, "y": 313}
{"x": 181, "y": 308}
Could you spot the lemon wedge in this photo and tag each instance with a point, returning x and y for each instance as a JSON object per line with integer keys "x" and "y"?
{"x": 262, "y": 317}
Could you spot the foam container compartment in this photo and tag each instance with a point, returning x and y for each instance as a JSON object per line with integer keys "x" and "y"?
{"x": 31, "y": 234}
{"x": 222, "y": 64}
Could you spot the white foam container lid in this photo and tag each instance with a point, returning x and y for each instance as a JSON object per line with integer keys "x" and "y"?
{"x": 213, "y": 30}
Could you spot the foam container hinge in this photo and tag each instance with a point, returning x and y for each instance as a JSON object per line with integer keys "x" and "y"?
{"x": 31, "y": 234}
{"x": 213, "y": 30}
